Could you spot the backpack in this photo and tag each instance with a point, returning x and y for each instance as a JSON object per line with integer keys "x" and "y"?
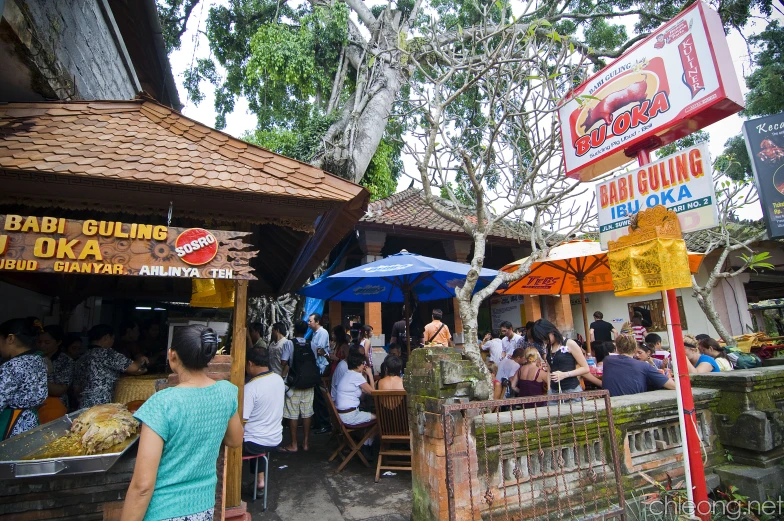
{"x": 303, "y": 371}
{"x": 743, "y": 360}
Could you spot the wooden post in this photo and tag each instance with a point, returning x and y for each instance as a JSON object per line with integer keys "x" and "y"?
{"x": 585, "y": 317}
{"x": 234, "y": 455}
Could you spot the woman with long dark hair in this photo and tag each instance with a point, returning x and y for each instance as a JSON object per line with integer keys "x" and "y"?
{"x": 709, "y": 346}
{"x": 22, "y": 378}
{"x": 565, "y": 358}
{"x": 183, "y": 428}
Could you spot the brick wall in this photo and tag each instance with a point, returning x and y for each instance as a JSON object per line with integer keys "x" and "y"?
{"x": 433, "y": 378}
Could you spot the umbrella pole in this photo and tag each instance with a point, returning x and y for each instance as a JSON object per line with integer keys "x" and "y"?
{"x": 585, "y": 317}
{"x": 408, "y": 318}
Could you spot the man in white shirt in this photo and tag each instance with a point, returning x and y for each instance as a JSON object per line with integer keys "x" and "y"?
{"x": 279, "y": 350}
{"x": 262, "y": 411}
{"x": 494, "y": 346}
{"x": 319, "y": 342}
{"x": 509, "y": 366}
{"x": 509, "y": 339}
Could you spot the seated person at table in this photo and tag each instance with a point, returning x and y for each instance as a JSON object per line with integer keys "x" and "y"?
{"x": 655, "y": 340}
{"x": 394, "y": 350}
{"x": 713, "y": 349}
{"x": 644, "y": 353}
{"x": 342, "y": 368}
{"x": 262, "y": 410}
{"x": 600, "y": 350}
{"x": 351, "y": 387}
{"x": 625, "y": 375}
{"x": 698, "y": 362}
{"x": 101, "y": 367}
{"x": 392, "y": 381}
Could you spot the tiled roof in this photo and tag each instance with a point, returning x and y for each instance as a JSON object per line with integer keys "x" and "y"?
{"x": 141, "y": 140}
{"x": 408, "y": 209}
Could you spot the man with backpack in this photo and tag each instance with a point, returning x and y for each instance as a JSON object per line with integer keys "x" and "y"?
{"x": 302, "y": 378}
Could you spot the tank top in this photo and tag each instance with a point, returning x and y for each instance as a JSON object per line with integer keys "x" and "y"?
{"x": 562, "y": 360}
{"x": 530, "y": 388}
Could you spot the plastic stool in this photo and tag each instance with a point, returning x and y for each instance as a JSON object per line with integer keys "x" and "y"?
{"x": 265, "y": 457}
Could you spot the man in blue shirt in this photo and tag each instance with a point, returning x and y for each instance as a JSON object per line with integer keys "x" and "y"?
{"x": 624, "y": 375}
{"x": 319, "y": 342}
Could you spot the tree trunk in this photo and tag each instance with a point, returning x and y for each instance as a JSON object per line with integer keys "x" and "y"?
{"x": 469, "y": 313}
{"x": 705, "y": 300}
{"x": 350, "y": 143}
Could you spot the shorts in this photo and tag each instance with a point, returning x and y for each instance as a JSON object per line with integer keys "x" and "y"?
{"x": 552, "y": 393}
{"x": 299, "y": 404}
{"x": 356, "y": 417}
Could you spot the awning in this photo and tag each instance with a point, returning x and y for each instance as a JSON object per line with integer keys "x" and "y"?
{"x": 142, "y": 158}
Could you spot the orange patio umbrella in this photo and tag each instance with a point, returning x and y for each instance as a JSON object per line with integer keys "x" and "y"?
{"x": 576, "y": 267}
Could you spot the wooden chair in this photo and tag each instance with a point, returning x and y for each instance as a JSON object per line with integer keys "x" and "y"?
{"x": 392, "y": 418}
{"x": 345, "y": 435}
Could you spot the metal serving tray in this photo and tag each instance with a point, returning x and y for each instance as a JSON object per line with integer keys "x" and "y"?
{"x": 12, "y": 452}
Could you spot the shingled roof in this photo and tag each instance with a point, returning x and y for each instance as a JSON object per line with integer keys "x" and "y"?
{"x": 141, "y": 140}
{"x": 408, "y": 211}
{"x": 142, "y": 158}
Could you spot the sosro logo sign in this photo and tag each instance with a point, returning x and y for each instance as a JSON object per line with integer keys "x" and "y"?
{"x": 196, "y": 246}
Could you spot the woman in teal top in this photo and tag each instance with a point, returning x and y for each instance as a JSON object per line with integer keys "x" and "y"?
{"x": 183, "y": 428}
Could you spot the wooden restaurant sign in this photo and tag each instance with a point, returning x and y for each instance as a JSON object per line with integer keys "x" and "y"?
{"x": 60, "y": 245}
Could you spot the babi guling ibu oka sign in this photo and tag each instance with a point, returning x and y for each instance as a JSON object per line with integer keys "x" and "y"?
{"x": 765, "y": 143}
{"x": 30, "y": 243}
{"x": 682, "y": 182}
{"x": 674, "y": 82}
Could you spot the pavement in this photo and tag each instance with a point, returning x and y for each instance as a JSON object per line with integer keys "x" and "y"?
{"x": 308, "y": 489}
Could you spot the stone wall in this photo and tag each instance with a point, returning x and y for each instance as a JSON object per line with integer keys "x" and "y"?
{"x": 72, "y": 48}
{"x": 739, "y": 417}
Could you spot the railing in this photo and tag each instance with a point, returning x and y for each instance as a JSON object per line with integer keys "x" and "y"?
{"x": 506, "y": 461}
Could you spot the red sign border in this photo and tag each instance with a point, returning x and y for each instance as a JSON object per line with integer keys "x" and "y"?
{"x": 676, "y": 124}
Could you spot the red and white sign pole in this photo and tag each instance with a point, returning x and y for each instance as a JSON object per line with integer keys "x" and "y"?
{"x": 694, "y": 472}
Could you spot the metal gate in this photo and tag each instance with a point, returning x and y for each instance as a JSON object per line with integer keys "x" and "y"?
{"x": 508, "y": 459}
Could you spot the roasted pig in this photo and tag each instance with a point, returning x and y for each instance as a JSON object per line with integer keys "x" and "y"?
{"x": 104, "y": 426}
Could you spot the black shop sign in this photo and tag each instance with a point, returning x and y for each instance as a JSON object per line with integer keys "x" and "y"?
{"x": 765, "y": 143}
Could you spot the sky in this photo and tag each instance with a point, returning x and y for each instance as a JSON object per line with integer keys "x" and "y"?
{"x": 195, "y": 45}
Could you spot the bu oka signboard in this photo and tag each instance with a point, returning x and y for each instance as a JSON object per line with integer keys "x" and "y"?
{"x": 765, "y": 143}
{"x": 58, "y": 245}
{"x": 673, "y": 83}
{"x": 681, "y": 182}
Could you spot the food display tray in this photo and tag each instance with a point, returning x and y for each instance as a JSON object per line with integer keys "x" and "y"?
{"x": 14, "y": 450}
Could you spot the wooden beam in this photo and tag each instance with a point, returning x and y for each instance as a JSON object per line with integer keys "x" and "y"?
{"x": 234, "y": 456}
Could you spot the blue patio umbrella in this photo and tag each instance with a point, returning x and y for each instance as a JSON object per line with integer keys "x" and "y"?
{"x": 395, "y": 279}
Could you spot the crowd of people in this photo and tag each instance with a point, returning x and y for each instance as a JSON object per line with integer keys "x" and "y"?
{"x": 537, "y": 360}
{"x": 46, "y": 373}
{"x": 183, "y": 427}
